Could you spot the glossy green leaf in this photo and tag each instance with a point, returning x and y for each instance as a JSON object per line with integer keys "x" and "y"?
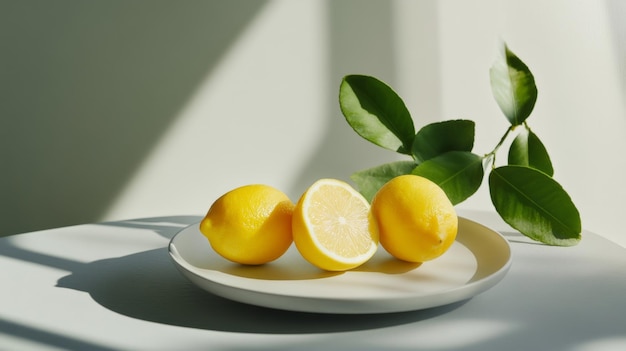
{"x": 458, "y": 173}
{"x": 376, "y": 113}
{"x": 437, "y": 138}
{"x": 535, "y": 204}
{"x": 527, "y": 150}
{"x": 513, "y": 86}
{"x": 370, "y": 180}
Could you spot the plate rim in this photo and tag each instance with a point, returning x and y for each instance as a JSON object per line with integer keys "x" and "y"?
{"x": 343, "y": 305}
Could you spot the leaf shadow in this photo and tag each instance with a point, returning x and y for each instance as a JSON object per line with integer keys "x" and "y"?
{"x": 516, "y": 237}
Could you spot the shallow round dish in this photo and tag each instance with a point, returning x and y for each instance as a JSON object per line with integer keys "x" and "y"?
{"x": 478, "y": 260}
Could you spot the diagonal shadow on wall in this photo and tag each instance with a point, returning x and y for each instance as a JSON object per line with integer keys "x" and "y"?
{"x": 361, "y": 41}
{"x": 87, "y": 90}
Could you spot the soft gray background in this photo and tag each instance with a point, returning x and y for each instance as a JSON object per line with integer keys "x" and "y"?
{"x": 88, "y": 88}
{"x": 125, "y": 109}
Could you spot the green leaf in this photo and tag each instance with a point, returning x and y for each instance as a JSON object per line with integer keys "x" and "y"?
{"x": 513, "y": 86}
{"x": 440, "y": 137}
{"x": 458, "y": 173}
{"x": 527, "y": 150}
{"x": 535, "y": 204}
{"x": 370, "y": 180}
{"x": 376, "y": 113}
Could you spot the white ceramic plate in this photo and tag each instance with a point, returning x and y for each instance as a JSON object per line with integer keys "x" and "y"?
{"x": 478, "y": 259}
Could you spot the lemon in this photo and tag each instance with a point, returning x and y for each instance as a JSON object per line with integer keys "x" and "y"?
{"x": 332, "y": 227}
{"x": 416, "y": 220}
{"x": 250, "y": 224}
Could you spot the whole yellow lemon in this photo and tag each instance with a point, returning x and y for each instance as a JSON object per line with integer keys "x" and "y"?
{"x": 416, "y": 220}
{"x": 250, "y": 224}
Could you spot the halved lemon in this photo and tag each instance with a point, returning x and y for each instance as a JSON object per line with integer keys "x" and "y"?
{"x": 332, "y": 226}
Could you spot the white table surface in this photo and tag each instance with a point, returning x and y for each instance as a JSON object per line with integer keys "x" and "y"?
{"x": 112, "y": 286}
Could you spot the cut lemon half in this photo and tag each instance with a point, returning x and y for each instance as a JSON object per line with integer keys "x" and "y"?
{"x": 332, "y": 226}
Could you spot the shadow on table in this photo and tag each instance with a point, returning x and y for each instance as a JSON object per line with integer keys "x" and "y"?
{"x": 147, "y": 286}
{"x": 564, "y": 298}
{"x": 46, "y": 337}
{"x": 166, "y": 226}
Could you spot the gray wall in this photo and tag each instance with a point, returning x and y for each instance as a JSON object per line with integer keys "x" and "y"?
{"x": 87, "y": 88}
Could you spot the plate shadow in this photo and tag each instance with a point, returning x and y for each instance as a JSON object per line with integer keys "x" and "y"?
{"x": 147, "y": 285}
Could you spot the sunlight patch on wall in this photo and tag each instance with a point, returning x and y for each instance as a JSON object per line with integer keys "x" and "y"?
{"x": 249, "y": 122}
